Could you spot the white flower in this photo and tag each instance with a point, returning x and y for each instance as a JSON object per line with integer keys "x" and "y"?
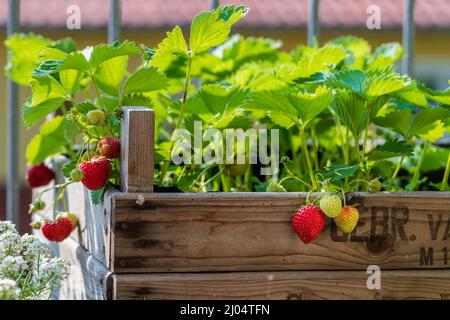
{"x": 7, "y": 226}
{"x": 53, "y": 271}
{"x": 8, "y": 290}
{"x": 11, "y": 243}
{"x": 12, "y": 267}
{"x": 34, "y": 250}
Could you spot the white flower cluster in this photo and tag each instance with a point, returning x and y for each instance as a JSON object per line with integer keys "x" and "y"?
{"x": 27, "y": 268}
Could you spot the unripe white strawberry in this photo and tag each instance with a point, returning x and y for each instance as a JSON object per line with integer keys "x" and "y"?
{"x": 331, "y": 205}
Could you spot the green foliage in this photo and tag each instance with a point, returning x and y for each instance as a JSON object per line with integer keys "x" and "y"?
{"x": 48, "y": 142}
{"x": 345, "y": 117}
{"x": 25, "y": 50}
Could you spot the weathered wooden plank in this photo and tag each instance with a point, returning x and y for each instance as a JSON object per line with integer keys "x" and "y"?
{"x": 137, "y": 150}
{"x": 89, "y": 279}
{"x": 307, "y": 285}
{"x": 252, "y": 231}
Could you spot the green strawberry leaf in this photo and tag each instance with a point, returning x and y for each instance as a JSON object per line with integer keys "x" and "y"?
{"x": 351, "y": 110}
{"x": 48, "y": 142}
{"x": 398, "y": 121}
{"x": 358, "y": 50}
{"x": 379, "y": 83}
{"x": 212, "y": 28}
{"x": 137, "y": 100}
{"x": 24, "y": 50}
{"x": 97, "y": 195}
{"x": 337, "y": 172}
{"x": 85, "y": 107}
{"x": 174, "y": 43}
{"x": 426, "y": 120}
{"x": 145, "y": 80}
{"x": 110, "y": 73}
{"x": 68, "y": 167}
{"x": 48, "y": 96}
{"x": 104, "y": 52}
{"x": 391, "y": 149}
{"x": 66, "y": 45}
{"x": 385, "y": 56}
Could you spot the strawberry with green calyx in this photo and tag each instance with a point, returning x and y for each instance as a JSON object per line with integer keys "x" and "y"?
{"x": 57, "y": 230}
{"x": 71, "y": 216}
{"x": 39, "y": 175}
{"x": 109, "y": 147}
{"x": 96, "y": 118}
{"x": 95, "y": 172}
{"x": 348, "y": 219}
{"x": 308, "y": 223}
{"x": 331, "y": 205}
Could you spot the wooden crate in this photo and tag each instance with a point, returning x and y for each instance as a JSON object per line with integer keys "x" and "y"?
{"x": 145, "y": 245}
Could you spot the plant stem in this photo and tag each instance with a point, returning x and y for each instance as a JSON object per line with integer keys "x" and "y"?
{"x": 308, "y": 160}
{"x": 97, "y": 92}
{"x": 211, "y": 179}
{"x": 187, "y": 83}
{"x": 295, "y": 178}
{"x": 315, "y": 148}
{"x": 226, "y": 181}
{"x": 444, "y": 183}
{"x": 416, "y": 175}
{"x": 397, "y": 169}
{"x": 366, "y": 134}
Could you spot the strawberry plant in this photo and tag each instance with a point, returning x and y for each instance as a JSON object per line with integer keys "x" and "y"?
{"x": 347, "y": 120}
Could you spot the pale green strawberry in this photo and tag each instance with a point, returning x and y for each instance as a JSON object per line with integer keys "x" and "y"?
{"x": 96, "y": 117}
{"x": 331, "y": 205}
{"x": 347, "y": 220}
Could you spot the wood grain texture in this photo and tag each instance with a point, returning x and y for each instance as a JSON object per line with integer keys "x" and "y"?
{"x": 137, "y": 149}
{"x": 306, "y": 285}
{"x": 252, "y": 231}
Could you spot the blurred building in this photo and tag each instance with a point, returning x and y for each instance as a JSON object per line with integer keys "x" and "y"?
{"x": 146, "y": 21}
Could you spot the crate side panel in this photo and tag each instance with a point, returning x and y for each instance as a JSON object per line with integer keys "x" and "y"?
{"x": 251, "y": 231}
{"x": 281, "y": 285}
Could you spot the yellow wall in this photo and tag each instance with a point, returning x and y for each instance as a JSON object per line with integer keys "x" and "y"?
{"x": 428, "y": 44}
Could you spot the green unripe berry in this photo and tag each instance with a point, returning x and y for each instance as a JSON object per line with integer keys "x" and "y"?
{"x": 375, "y": 185}
{"x": 36, "y": 224}
{"x": 36, "y": 205}
{"x": 96, "y": 117}
{"x": 76, "y": 175}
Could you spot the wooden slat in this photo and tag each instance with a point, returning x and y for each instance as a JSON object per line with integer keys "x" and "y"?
{"x": 411, "y": 284}
{"x": 137, "y": 149}
{"x": 252, "y": 231}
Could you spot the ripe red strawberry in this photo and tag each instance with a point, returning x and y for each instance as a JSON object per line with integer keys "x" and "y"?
{"x": 71, "y": 216}
{"x": 348, "y": 219}
{"x": 39, "y": 175}
{"x": 58, "y": 230}
{"x": 109, "y": 147}
{"x": 308, "y": 222}
{"x": 95, "y": 172}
